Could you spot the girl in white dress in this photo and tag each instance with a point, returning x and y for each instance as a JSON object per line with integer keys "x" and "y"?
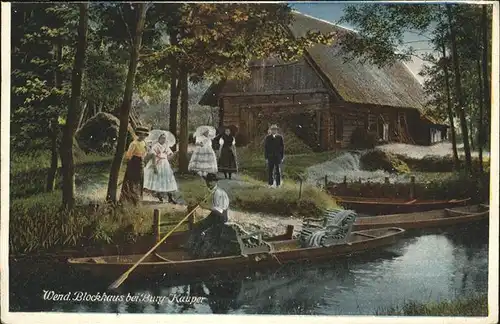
{"x": 158, "y": 174}
{"x": 204, "y": 159}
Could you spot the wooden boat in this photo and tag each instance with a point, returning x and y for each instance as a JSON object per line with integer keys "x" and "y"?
{"x": 433, "y": 218}
{"x": 384, "y": 206}
{"x": 173, "y": 260}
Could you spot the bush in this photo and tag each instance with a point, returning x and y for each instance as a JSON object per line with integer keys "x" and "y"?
{"x": 379, "y": 160}
{"x": 362, "y": 139}
{"x": 100, "y": 133}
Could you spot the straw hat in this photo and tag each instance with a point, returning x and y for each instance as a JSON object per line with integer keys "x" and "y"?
{"x": 141, "y": 130}
{"x": 203, "y": 129}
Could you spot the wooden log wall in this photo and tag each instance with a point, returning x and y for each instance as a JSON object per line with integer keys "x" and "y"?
{"x": 358, "y": 115}
{"x": 276, "y": 77}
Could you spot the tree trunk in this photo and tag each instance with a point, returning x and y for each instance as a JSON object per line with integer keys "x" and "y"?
{"x": 54, "y": 124}
{"x": 480, "y": 117}
{"x": 486, "y": 80}
{"x": 54, "y": 158}
{"x": 127, "y": 102}
{"x": 174, "y": 91}
{"x": 67, "y": 161}
{"x": 471, "y": 133}
{"x": 458, "y": 88}
{"x": 449, "y": 109}
{"x": 183, "y": 136}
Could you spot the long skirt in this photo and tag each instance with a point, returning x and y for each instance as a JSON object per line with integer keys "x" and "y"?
{"x": 133, "y": 181}
{"x": 203, "y": 160}
{"x": 227, "y": 160}
{"x": 161, "y": 182}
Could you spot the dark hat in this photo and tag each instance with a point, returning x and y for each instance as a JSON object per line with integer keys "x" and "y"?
{"x": 141, "y": 130}
{"x": 211, "y": 177}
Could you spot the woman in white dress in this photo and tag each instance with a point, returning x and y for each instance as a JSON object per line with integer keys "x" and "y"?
{"x": 158, "y": 175}
{"x": 204, "y": 159}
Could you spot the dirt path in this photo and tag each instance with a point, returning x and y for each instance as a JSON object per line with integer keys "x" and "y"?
{"x": 93, "y": 192}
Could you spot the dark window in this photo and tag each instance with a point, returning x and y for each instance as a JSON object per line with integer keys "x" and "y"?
{"x": 339, "y": 128}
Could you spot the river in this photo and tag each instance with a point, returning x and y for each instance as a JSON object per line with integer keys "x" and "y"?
{"x": 422, "y": 266}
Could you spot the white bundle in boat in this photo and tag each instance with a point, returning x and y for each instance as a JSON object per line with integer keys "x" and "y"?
{"x": 336, "y": 230}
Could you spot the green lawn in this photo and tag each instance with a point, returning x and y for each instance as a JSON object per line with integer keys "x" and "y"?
{"x": 253, "y": 164}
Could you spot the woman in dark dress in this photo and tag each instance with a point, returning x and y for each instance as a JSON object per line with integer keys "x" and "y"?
{"x": 227, "y": 159}
{"x": 134, "y": 175}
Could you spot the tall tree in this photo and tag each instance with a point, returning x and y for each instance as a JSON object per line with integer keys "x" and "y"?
{"x": 67, "y": 159}
{"x": 174, "y": 88}
{"x": 486, "y": 82}
{"x": 183, "y": 85}
{"x": 460, "y": 107}
{"x": 135, "y": 46}
{"x": 449, "y": 105}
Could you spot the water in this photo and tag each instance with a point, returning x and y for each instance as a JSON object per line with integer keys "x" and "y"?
{"x": 422, "y": 267}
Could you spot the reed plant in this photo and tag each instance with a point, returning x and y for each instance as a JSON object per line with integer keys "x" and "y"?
{"x": 37, "y": 224}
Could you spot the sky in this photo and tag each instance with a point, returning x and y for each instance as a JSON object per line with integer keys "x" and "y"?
{"x": 333, "y": 12}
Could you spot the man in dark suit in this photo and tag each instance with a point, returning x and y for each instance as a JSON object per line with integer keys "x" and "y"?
{"x": 274, "y": 151}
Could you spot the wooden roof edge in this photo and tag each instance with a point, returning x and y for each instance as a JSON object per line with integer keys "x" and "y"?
{"x": 211, "y": 95}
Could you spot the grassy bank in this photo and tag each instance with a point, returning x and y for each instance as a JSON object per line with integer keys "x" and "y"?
{"x": 28, "y": 172}
{"x": 289, "y": 200}
{"x": 472, "y": 306}
{"x": 253, "y": 164}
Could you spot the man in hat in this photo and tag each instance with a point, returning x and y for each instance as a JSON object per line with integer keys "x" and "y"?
{"x": 274, "y": 152}
{"x": 220, "y": 199}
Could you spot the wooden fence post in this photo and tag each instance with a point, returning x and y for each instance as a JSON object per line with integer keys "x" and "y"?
{"x": 156, "y": 225}
{"x": 387, "y": 180}
{"x": 300, "y": 189}
{"x": 412, "y": 187}
{"x": 289, "y": 231}
{"x": 191, "y": 221}
{"x": 326, "y": 182}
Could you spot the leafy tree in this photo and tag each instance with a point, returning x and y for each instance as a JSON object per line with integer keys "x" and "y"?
{"x": 214, "y": 41}
{"x": 41, "y": 58}
{"x": 452, "y": 79}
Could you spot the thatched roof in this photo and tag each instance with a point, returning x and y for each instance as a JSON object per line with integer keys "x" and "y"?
{"x": 353, "y": 81}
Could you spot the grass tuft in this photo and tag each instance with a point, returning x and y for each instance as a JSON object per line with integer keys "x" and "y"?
{"x": 472, "y": 306}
